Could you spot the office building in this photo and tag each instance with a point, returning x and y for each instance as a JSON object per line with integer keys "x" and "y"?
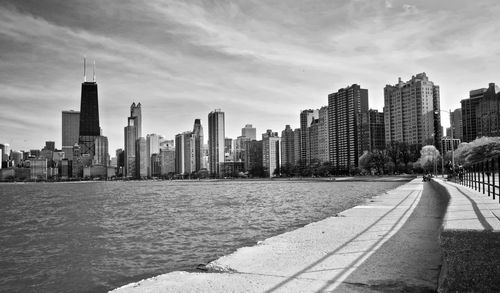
{"x": 198, "y": 145}
{"x": 101, "y": 156}
{"x": 249, "y": 131}
{"x": 216, "y": 142}
{"x": 70, "y": 132}
{"x": 412, "y": 112}
{"x": 253, "y": 157}
{"x": 89, "y": 116}
{"x": 345, "y": 110}
{"x": 287, "y": 146}
{"x": 130, "y": 133}
{"x": 136, "y": 114}
{"x": 271, "y": 153}
{"x": 228, "y": 149}
{"x": 184, "y": 153}
{"x": 152, "y": 147}
{"x": 167, "y": 162}
{"x": 446, "y": 144}
{"x": 141, "y": 169}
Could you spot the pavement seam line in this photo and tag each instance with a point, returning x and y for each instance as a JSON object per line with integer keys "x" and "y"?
{"x": 396, "y": 227}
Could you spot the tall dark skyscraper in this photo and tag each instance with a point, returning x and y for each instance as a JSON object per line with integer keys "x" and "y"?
{"x": 89, "y": 115}
{"x": 216, "y": 135}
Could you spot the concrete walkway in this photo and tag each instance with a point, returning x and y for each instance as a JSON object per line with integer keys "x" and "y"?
{"x": 470, "y": 240}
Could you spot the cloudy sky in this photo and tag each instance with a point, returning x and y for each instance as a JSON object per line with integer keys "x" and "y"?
{"x": 261, "y": 62}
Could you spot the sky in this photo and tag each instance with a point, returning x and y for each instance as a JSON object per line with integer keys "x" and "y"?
{"x": 261, "y": 62}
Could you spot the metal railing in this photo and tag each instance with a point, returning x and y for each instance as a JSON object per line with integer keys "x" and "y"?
{"x": 483, "y": 177}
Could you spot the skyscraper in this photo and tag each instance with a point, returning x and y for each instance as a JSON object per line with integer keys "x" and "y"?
{"x": 249, "y": 131}
{"x": 345, "y": 108}
{"x": 323, "y": 140}
{"x": 456, "y": 123}
{"x": 306, "y": 118}
{"x": 89, "y": 116}
{"x": 136, "y": 113}
{"x": 375, "y": 130}
{"x": 141, "y": 168}
{"x": 271, "y": 153}
{"x": 130, "y": 133}
{"x": 216, "y": 135}
{"x": 481, "y": 113}
{"x": 287, "y": 146}
{"x": 198, "y": 145}
{"x": 412, "y": 112}
{"x": 152, "y": 147}
{"x": 70, "y": 132}
{"x": 101, "y": 156}
{"x": 184, "y": 153}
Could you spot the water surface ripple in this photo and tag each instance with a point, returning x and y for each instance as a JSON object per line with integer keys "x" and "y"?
{"x": 96, "y": 236}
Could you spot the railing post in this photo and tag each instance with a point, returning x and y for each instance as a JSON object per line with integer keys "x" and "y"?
{"x": 474, "y": 176}
{"x": 488, "y": 174}
{"x": 493, "y": 177}
{"x": 482, "y": 177}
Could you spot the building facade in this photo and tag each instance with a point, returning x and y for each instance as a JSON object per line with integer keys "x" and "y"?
{"x": 306, "y": 118}
{"x": 216, "y": 135}
{"x": 70, "y": 131}
{"x": 412, "y": 112}
{"x": 249, "y": 131}
{"x": 469, "y": 110}
{"x": 287, "y": 146}
{"x": 376, "y": 130}
{"x": 345, "y": 110}
{"x": 271, "y": 153}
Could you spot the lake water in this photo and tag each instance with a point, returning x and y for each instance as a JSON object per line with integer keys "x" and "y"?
{"x": 96, "y": 236}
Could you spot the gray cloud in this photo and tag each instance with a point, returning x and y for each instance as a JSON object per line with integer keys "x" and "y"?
{"x": 260, "y": 61}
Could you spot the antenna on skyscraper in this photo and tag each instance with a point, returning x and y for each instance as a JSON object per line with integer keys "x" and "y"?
{"x": 84, "y": 73}
{"x": 93, "y": 72}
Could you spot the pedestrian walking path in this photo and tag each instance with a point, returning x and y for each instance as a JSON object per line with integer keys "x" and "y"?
{"x": 470, "y": 240}
{"x": 318, "y": 257}
{"x": 469, "y": 209}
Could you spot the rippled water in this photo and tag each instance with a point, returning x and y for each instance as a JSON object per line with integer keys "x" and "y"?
{"x": 96, "y": 236}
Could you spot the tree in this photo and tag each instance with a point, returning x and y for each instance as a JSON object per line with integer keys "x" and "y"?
{"x": 428, "y": 156}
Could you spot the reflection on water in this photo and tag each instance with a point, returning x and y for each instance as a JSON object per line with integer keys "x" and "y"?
{"x": 93, "y": 237}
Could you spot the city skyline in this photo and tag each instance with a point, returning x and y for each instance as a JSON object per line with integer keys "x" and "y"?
{"x": 261, "y": 63}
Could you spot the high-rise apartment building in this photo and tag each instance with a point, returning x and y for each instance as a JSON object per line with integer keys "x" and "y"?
{"x": 323, "y": 144}
{"x": 70, "y": 132}
{"x": 488, "y": 112}
{"x": 297, "y": 136}
{"x": 249, "y": 131}
{"x": 345, "y": 110}
{"x": 287, "y": 146}
{"x": 456, "y": 123}
{"x": 228, "y": 149}
{"x": 216, "y": 135}
{"x": 89, "y": 117}
{"x": 198, "y": 145}
{"x": 469, "y": 109}
{"x": 375, "y": 130}
{"x": 239, "y": 148}
{"x": 167, "y": 162}
{"x": 101, "y": 156}
{"x": 412, "y": 112}
{"x": 306, "y": 118}
{"x": 271, "y": 153}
